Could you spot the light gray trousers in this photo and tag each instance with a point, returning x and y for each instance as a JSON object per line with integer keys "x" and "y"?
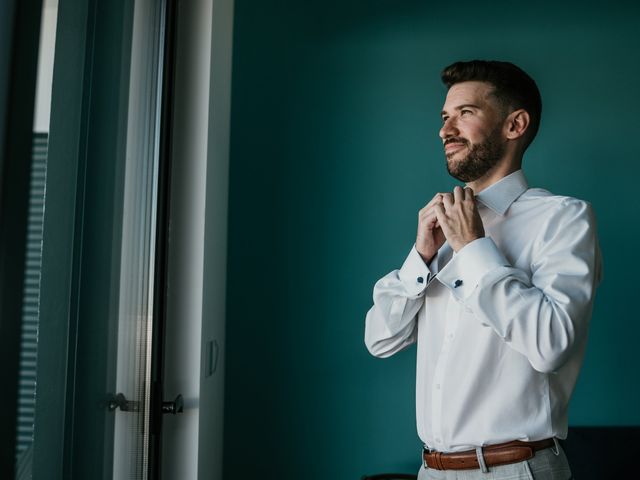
{"x": 545, "y": 465}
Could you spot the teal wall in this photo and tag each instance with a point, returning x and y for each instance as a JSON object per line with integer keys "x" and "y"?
{"x": 334, "y": 149}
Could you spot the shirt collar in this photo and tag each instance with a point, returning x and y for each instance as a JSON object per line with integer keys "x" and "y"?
{"x": 499, "y": 196}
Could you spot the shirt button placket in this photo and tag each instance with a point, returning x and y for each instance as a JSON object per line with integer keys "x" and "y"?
{"x": 453, "y": 313}
{"x": 436, "y": 399}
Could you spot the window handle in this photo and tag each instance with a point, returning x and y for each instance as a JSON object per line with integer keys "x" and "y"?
{"x": 177, "y": 406}
{"x": 121, "y": 402}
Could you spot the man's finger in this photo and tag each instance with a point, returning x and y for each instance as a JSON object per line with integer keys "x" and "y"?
{"x": 458, "y": 194}
{"x": 447, "y": 200}
{"x": 440, "y": 214}
{"x": 468, "y": 193}
{"x": 428, "y": 209}
{"x": 431, "y": 219}
{"x": 428, "y": 219}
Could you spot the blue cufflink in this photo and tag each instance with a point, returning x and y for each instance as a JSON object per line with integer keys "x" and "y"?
{"x": 420, "y": 279}
{"x": 457, "y": 283}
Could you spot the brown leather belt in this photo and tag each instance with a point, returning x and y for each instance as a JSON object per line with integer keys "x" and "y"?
{"x": 499, "y": 454}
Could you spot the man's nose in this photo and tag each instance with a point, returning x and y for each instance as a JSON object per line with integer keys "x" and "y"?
{"x": 448, "y": 129}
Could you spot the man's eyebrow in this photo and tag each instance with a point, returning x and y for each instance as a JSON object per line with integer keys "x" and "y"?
{"x": 460, "y": 107}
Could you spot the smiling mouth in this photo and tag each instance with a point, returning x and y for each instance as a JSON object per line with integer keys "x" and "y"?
{"x": 452, "y": 147}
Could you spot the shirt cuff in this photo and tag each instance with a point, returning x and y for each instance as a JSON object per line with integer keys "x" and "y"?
{"x": 414, "y": 273}
{"x": 463, "y": 272}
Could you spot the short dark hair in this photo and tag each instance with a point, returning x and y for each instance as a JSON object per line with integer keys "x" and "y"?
{"x": 512, "y": 86}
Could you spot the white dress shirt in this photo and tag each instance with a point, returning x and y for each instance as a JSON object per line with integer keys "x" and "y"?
{"x": 501, "y": 326}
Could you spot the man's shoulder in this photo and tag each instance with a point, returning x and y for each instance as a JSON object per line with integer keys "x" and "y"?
{"x": 555, "y": 216}
{"x": 544, "y": 210}
{"x": 544, "y": 198}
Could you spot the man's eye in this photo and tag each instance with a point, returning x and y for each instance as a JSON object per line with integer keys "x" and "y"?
{"x": 465, "y": 111}
{"x": 444, "y": 119}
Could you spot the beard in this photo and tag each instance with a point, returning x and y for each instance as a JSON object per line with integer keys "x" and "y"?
{"x": 481, "y": 158}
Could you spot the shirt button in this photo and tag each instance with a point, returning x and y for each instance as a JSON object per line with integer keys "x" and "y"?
{"x": 420, "y": 280}
{"x": 438, "y": 386}
{"x": 438, "y": 440}
{"x": 450, "y": 336}
{"x": 457, "y": 283}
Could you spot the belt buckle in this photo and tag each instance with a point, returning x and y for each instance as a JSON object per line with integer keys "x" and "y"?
{"x": 427, "y": 450}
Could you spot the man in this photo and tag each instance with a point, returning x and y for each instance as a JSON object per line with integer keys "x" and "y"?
{"x": 497, "y": 292}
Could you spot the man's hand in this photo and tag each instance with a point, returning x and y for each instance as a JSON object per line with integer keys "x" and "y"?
{"x": 458, "y": 218}
{"x": 430, "y": 236}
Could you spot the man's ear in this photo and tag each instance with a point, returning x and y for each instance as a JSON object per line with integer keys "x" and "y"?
{"x": 516, "y": 124}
